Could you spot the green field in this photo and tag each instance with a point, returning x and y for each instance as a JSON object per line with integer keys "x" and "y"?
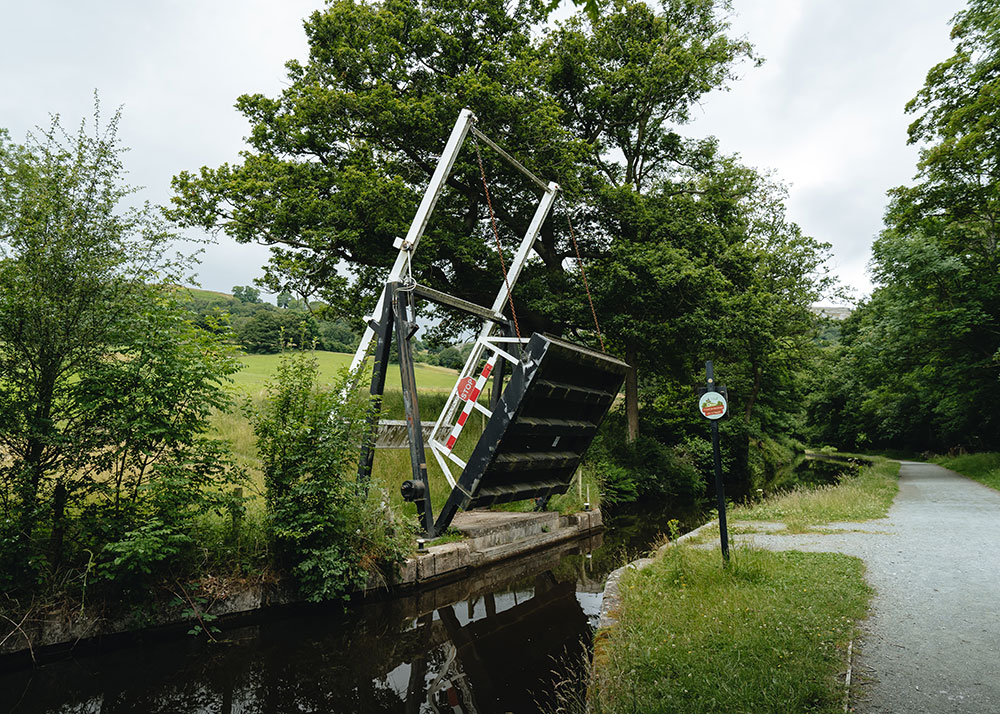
{"x": 392, "y": 466}
{"x": 259, "y": 368}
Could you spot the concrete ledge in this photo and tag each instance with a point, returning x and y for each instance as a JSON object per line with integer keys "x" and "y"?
{"x": 485, "y": 529}
{"x": 491, "y": 537}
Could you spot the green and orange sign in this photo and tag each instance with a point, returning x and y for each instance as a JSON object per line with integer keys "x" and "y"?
{"x": 713, "y": 405}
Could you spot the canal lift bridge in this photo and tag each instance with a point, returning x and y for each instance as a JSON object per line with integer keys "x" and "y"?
{"x": 538, "y": 427}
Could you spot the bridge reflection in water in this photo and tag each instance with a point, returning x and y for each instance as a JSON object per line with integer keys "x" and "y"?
{"x": 500, "y": 640}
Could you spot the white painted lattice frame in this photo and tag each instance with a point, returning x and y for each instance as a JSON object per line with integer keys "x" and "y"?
{"x": 486, "y": 340}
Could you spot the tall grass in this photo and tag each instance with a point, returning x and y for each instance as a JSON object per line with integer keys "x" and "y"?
{"x": 984, "y": 467}
{"x": 862, "y": 497}
{"x": 765, "y": 634}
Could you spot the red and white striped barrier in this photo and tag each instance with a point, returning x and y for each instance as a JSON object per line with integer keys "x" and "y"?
{"x": 471, "y": 396}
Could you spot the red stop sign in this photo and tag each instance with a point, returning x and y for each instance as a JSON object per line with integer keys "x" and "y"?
{"x": 465, "y": 388}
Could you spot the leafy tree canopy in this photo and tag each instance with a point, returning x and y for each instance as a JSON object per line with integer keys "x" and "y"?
{"x": 691, "y": 253}
{"x": 247, "y": 293}
{"x": 920, "y": 367}
{"x": 105, "y": 386}
{"x": 338, "y": 162}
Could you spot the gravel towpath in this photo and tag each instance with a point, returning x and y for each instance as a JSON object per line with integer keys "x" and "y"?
{"x": 932, "y": 642}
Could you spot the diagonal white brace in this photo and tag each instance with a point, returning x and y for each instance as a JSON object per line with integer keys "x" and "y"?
{"x": 409, "y": 243}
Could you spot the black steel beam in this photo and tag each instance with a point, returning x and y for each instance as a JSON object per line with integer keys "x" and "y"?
{"x": 383, "y": 328}
{"x": 541, "y": 427}
{"x": 405, "y": 329}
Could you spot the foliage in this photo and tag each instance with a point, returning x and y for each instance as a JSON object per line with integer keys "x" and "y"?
{"x": 261, "y": 328}
{"x": 339, "y": 160}
{"x": 337, "y": 336}
{"x": 774, "y": 623}
{"x": 247, "y": 294}
{"x": 718, "y": 272}
{"x": 691, "y": 254}
{"x": 643, "y": 470}
{"x": 984, "y": 467}
{"x": 330, "y": 532}
{"x": 105, "y": 385}
{"x": 270, "y": 331}
{"x": 920, "y": 367}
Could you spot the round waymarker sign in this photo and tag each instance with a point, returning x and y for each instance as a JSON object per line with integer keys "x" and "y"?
{"x": 712, "y": 405}
{"x": 465, "y": 388}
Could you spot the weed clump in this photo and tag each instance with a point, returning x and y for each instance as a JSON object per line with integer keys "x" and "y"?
{"x": 330, "y": 532}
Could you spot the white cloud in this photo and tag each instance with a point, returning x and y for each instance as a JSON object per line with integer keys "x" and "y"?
{"x": 176, "y": 70}
{"x": 825, "y": 111}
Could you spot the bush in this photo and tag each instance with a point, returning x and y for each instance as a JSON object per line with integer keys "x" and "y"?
{"x": 329, "y": 532}
{"x": 645, "y": 468}
{"x": 268, "y": 331}
{"x": 338, "y": 336}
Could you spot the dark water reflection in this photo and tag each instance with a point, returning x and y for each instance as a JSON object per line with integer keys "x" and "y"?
{"x": 501, "y": 640}
{"x": 812, "y": 470}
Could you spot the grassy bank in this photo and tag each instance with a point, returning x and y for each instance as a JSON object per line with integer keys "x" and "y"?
{"x": 860, "y": 497}
{"x": 766, "y": 634}
{"x": 984, "y": 468}
{"x": 257, "y": 369}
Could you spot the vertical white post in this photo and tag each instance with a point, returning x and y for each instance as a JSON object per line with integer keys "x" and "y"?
{"x": 431, "y": 194}
{"x": 521, "y": 256}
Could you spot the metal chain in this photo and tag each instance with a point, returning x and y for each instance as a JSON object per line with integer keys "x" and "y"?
{"x": 496, "y": 235}
{"x": 586, "y": 286}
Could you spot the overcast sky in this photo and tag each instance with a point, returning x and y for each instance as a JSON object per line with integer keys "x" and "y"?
{"x": 825, "y": 112}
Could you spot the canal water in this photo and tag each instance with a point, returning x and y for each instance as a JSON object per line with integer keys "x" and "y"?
{"x": 512, "y": 638}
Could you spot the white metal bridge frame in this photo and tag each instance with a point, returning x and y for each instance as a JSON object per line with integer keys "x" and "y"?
{"x": 450, "y": 421}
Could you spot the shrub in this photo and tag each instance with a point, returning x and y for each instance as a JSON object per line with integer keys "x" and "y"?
{"x": 105, "y": 384}
{"x": 645, "y": 468}
{"x": 329, "y": 532}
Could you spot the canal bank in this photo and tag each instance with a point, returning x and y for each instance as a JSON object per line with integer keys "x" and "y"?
{"x": 779, "y": 626}
{"x": 487, "y": 538}
{"x": 506, "y": 637}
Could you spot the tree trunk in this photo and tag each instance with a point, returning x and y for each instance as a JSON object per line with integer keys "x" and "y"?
{"x": 754, "y": 392}
{"x": 30, "y": 477}
{"x": 632, "y": 392}
{"x": 738, "y": 484}
{"x": 33, "y": 457}
{"x": 59, "y": 498}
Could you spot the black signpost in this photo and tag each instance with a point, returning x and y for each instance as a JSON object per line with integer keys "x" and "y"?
{"x": 714, "y": 405}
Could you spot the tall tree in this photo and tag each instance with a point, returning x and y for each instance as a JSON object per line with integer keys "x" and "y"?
{"x": 102, "y": 380}
{"x": 957, "y": 196}
{"x": 626, "y": 81}
{"x": 674, "y": 231}
{"x": 922, "y": 354}
{"x": 337, "y": 163}
{"x": 940, "y": 255}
